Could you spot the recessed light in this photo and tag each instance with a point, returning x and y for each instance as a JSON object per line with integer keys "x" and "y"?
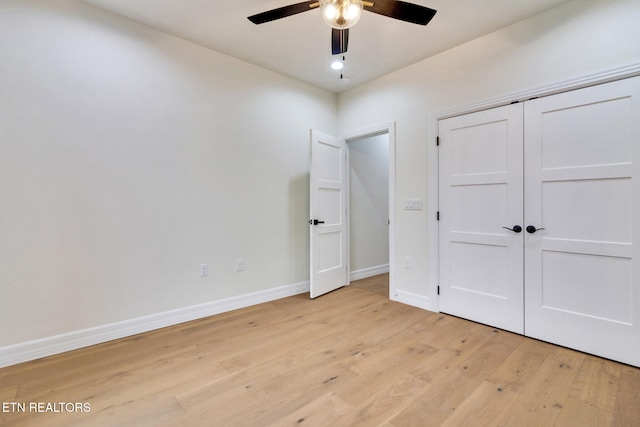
{"x": 337, "y": 65}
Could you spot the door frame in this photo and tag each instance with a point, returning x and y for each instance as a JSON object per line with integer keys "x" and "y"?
{"x": 388, "y": 129}
{"x": 433, "y": 172}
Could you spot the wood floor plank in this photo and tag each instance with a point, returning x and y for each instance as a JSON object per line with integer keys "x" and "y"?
{"x": 109, "y": 376}
{"x": 482, "y": 407}
{"x": 213, "y": 406}
{"x": 521, "y": 365}
{"x": 351, "y": 358}
{"x": 439, "y": 330}
{"x": 438, "y": 402}
{"x": 543, "y": 397}
{"x": 320, "y": 412}
{"x": 449, "y": 358}
{"x": 627, "y": 408}
{"x": 150, "y": 410}
{"x": 143, "y": 393}
{"x": 597, "y": 383}
{"x": 381, "y": 369}
{"x": 448, "y": 391}
{"x": 283, "y": 375}
{"x": 295, "y": 395}
{"x": 376, "y": 284}
{"x": 265, "y": 346}
{"x": 8, "y": 394}
{"x": 88, "y": 365}
{"x": 298, "y": 330}
{"x": 579, "y": 413}
{"x": 380, "y": 407}
{"x": 377, "y": 354}
{"x": 299, "y": 379}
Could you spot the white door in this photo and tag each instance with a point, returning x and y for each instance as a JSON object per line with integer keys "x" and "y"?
{"x": 481, "y": 261}
{"x": 582, "y": 185}
{"x": 328, "y": 221}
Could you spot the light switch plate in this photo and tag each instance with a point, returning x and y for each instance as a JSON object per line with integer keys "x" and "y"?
{"x": 413, "y": 204}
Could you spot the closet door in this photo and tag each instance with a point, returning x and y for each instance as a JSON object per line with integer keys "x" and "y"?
{"x": 481, "y": 261}
{"x": 582, "y": 185}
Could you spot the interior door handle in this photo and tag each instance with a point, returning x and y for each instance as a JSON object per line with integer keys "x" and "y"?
{"x": 515, "y": 229}
{"x": 315, "y": 222}
{"x": 531, "y": 229}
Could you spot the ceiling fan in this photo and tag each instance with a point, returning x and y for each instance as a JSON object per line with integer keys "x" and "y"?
{"x": 340, "y": 15}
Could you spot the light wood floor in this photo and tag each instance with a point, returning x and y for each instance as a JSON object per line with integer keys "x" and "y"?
{"x": 349, "y": 358}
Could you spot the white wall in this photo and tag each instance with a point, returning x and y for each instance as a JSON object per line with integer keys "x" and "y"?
{"x": 577, "y": 39}
{"x": 369, "y": 202}
{"x": 128, "y": 158}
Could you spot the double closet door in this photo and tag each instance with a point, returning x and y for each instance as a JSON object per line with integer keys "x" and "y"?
{"x": 539, "y": 229}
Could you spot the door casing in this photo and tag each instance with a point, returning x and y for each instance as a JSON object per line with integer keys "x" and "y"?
{"x": 390, "y": 130}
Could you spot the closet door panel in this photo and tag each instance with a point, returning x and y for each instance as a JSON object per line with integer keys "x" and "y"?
{"x": 480, "y": 193}
{"x": 582, "y": 167}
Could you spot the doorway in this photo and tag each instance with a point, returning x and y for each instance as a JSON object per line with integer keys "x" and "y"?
{"x": 368, "y": 206}
{"x": 330, "y": 260}
{"x": 371, "y": 148}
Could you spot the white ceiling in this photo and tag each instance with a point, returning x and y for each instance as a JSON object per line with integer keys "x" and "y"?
{"x": 300, "y": 46}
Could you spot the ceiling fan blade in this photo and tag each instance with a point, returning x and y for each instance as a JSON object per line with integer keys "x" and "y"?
{"x": 403, "y": 11}
{"x": 283, "y": 12}
{"x": 339, "y": 41}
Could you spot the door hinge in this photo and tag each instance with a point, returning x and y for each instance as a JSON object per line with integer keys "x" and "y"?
{"x": 438, "y": 290}
{"x": 438, "y": 141}
{"x": 438, "y": 216}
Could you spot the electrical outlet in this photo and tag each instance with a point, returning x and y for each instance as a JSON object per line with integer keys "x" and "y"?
{"x": 240, "y": 264}
{"x": 204, "y": 270}
{"x": 407, "y": 263}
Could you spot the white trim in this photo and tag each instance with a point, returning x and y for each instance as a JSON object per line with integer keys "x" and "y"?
{"x": 552, "y": 89}
{"x": 347, "y": 178}
{"x": 390, "y": 130}
{"x": 433, "y": 172}
{"x": 433, "y": 202}
{"x": 363, "y": 273}
{"x": 36, "y": 349}
{"x": 415, "y": 300}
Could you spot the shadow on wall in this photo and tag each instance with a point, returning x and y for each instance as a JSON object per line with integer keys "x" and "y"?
{"x": 299, "y": 246}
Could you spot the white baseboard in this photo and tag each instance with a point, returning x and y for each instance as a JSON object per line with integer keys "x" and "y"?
{"x": 415, "y": 300}
{"x": 36, "y": 349}
{"x": 368, "y": 272}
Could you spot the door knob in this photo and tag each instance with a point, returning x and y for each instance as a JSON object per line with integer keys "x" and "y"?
{"x": 531, "y": 229}
{"x": 515, "y": 229}
{"x": 315, "y": 222}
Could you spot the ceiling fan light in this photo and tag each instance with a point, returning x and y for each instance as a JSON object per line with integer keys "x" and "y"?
{"x": 352, "y": 12}
{"x": 341, "y": 14}
{"x": 330, "y": 12}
